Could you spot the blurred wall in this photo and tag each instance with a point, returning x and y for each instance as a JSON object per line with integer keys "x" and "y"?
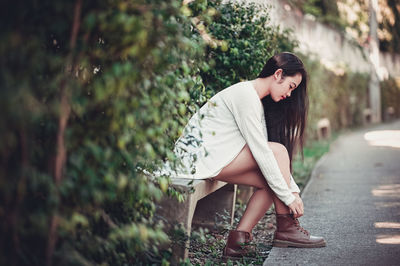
{"x": 333, "y": 49}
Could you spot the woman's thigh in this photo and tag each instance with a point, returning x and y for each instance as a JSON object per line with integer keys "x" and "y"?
{"x": 243, "y": 170}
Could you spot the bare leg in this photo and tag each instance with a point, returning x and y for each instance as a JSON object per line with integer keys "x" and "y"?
{"x": 257, "y": 206}
{"x": 243, "y": 170}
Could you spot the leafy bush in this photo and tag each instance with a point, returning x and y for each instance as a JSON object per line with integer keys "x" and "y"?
{"x": 93, "y": 92}
{"x": 247, "y": 43}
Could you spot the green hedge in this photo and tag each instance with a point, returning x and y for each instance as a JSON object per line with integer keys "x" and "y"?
{"x": 248, "y": 42}
{"x": 123, "y": 75}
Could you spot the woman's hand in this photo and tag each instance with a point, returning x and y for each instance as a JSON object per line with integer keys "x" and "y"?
{"x": 297, "y": 207}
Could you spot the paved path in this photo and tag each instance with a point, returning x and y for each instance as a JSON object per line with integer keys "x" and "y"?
{"x": 353, "y": 200}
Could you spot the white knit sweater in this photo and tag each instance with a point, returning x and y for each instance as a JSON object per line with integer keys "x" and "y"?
{"x": 229, "y": 120}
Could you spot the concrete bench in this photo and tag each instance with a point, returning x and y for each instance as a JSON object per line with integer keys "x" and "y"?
{"x": 199, "y": 208}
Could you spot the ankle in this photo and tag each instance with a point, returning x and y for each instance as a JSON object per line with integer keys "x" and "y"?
{"x": 245, "y": 230}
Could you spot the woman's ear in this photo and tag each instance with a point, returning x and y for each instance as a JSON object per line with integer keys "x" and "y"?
{"x": 278, "y": 74}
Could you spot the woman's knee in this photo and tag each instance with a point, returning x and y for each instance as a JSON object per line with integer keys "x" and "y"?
{"x": 282, "y": 157}
{"x": 279, "y": 150}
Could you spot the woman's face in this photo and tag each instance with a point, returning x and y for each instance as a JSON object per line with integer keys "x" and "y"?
{"x": 282, "y": 87}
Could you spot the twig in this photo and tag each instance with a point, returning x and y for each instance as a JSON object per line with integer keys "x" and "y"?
{"x": 65, "y": 111}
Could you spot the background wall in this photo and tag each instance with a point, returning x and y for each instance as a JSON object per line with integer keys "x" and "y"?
{"x": 334, "y": 50}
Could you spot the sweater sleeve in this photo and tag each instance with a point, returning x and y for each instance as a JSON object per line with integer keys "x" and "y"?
{"x": 293, "y": 186}
{"x": 245, "y": 107}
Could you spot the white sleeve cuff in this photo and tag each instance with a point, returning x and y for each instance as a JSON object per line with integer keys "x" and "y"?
{"x": 293, "y": 186}
{"x": 289, "y": 200}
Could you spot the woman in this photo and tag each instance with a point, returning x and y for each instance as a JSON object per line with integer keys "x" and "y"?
{"x": 246, "y": 134}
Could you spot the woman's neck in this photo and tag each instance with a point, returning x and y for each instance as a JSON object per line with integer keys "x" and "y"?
{"x": 262, "y": 86}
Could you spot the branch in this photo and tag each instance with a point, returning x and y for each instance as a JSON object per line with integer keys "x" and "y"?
{"x": 65, "y": 111}
{"x": 198, "y": 24}
{"x": 62, "y": 124}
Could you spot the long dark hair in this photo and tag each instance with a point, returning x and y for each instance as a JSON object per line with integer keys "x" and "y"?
{"x": 286, "y": 119}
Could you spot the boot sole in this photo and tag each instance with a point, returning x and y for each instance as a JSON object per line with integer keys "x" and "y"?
{"x": 287, "y": 244}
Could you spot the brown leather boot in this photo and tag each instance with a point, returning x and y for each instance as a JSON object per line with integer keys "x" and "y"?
{"x": 289, "y": 233}
{"x": 238, "y": 245}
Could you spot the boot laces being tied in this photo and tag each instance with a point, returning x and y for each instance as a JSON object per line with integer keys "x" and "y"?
{"x": 289, "y": 233}
{"x": 299, "y": 227}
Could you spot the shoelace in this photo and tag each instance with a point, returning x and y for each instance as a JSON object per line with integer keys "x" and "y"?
{"x": 299, "y": 227}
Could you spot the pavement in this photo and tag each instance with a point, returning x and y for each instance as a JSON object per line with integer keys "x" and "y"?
{"x": 353, "y": 201}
